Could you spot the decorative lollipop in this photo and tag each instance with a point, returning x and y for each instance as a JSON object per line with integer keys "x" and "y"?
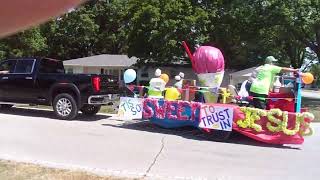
{"x": 208, "y": 64}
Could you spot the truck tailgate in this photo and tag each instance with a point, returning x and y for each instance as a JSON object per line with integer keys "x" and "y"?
{"x": 109, "y": 84}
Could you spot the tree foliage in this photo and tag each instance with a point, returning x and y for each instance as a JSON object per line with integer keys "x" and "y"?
{"x": 152, "y": 30}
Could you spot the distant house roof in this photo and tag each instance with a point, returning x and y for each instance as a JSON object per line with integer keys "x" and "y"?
{"x": 245, "y": 72}
{"x": 102, "y": 60}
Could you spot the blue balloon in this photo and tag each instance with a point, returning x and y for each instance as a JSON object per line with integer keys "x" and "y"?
{"x": 129, "y": 75}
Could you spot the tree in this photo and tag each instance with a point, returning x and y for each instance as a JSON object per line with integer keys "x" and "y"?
{"x": 28, "y": 43}
{"x": 73, "y": 35}
{"x": 315, "y": 70}
{"x": 157, "y": 28}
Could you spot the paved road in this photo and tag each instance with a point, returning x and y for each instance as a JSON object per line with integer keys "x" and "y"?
{"x": 137, "y": 149}
{"x": 310, "y": 94}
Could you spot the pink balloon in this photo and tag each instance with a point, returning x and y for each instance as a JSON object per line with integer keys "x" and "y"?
{"x": 208, "y": 59}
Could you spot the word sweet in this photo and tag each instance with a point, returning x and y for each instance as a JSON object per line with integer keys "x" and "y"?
{"x": 277, "y": 121}
{"x": 174, "y": 110}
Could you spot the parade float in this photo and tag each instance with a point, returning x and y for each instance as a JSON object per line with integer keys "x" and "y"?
{"x": 216, "y": 110}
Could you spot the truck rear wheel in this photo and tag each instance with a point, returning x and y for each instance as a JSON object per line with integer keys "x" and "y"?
{"x": 90, "y": 110}
{"x": 65, "y": 106}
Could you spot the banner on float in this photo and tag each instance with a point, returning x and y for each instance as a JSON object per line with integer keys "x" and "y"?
{"x": 215, "y": 117}
{"x": 213, "y": 81}
{"x": 130, "y": 108}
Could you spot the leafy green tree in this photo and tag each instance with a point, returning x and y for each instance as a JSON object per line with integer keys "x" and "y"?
{"x": 157, "y": 28}
{"x": 28, "y": 43}
{"x": 315, "y": 70}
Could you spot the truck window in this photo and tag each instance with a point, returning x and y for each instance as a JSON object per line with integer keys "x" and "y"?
{"x": 24, "y": 66}
{"x": 51, "y": 66}
{"x": 7, "y": 66}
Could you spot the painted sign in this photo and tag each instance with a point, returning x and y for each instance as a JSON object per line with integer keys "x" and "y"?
{"x": 216, "y": 117}
{"x": 130, "y": 108}
{"x": 170, "y": 114}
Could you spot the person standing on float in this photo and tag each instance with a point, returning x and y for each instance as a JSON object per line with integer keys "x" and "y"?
{"x": 260, "y": 86}
{"x": 156, "y": 86}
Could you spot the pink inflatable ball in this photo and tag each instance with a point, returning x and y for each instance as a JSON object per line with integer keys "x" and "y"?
{"x": 208, "y": 59}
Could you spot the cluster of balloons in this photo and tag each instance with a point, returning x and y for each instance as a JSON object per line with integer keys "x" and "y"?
{"x": 130, "y": 75}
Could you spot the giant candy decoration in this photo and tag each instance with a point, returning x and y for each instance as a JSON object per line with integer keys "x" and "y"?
{"x": 208, "y": 64}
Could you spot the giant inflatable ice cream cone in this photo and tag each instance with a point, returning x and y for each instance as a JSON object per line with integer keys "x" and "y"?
{"x": 208, "y": 64}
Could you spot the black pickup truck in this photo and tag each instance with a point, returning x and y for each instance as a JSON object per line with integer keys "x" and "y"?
{"x": 43, "y": 81}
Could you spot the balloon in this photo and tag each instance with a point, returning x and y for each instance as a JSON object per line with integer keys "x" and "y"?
{"x": 129, "y": 75}
{"x": 208, "y": 59}
{"x": 307, "y": 78}
{"x": 172, "y": 94}
{"x": 165, "y": 77}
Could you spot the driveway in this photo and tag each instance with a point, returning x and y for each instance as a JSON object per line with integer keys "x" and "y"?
{"x": 107, "y": 146}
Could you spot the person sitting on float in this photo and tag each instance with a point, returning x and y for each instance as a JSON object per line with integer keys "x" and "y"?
{"x": 260, "y": 86}
{"x": 156, "y": 86}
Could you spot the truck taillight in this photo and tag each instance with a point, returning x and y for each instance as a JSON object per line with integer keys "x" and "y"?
{"x": 96, "y": 83}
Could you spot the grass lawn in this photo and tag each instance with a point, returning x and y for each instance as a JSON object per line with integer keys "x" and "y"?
{"x": 21, "y": 171}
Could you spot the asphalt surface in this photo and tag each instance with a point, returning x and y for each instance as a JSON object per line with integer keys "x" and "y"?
{"x": 310, "y": 94}
{"x": 140, "y": 149}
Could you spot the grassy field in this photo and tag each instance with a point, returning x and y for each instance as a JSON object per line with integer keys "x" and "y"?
{"x": 22, "y": 171}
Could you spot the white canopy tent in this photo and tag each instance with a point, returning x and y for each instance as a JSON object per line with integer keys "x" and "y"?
{"x": 240, "y": 76}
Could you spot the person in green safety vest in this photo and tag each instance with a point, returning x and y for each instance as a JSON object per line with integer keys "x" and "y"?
{"x": 260, "y": 87}
{"x": 156, "y": 86}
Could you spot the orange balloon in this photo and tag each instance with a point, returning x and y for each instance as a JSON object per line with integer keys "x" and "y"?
{"x": 307, "y": 78}
{"x": 165, "y": 77}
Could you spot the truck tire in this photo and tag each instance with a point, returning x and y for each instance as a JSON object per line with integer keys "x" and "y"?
{"x": 90, "y": 110}
{"x": 5, "y": 106}
{"x": 65, "y": 106}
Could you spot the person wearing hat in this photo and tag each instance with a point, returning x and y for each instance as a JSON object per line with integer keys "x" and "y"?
{"x": 263, "y": 80}
{"x": 156, "y": 86}
{"x": 178, "y": 83}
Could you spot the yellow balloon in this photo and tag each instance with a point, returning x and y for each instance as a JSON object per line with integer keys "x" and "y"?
{"x": 172, "y": 94}
{"x": 307, "y": 78}
{"x": 165, "y": 77}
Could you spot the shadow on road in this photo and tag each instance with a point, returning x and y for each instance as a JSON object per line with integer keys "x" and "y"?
{"x": 196, "y": 134}
{"x": 48, "y": 114}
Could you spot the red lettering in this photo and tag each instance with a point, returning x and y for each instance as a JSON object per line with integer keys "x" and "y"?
{"x": 160, "y": 109}
{"x": 171, "y": 108}
{"x": 147, "y": 109}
